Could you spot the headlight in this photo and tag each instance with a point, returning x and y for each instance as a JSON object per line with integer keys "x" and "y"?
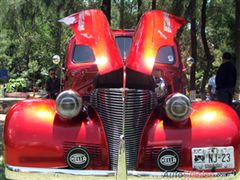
{"x": 68, "y": 104}
{"x": 178, "y": 107}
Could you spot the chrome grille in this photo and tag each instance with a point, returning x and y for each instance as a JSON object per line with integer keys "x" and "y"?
{"x": 113, "y": 112}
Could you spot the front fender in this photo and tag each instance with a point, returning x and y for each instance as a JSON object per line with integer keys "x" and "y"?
{"x": 210, "y": 124}
{"x": 35, "y": 136}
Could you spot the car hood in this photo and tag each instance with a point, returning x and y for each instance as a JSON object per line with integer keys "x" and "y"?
{"x": 155, "y": 30}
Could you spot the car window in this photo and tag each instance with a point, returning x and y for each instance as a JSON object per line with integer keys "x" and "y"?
{"x": 124, "y": 45}
{"x": 165, "y": 55}
{"x": 82, "y": 54}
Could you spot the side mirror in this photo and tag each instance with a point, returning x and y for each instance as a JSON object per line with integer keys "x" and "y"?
{"x": 190, "y": 61}
{"x": 56, "y": 59}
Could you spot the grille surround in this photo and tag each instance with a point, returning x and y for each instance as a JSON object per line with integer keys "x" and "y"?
{"x": 123, "y": 113}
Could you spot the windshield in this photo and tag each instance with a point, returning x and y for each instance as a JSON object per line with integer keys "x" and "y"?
{"x": 165, "y": 55}
{"x": 83, "y": 54}
{"x": 124, "y": 44}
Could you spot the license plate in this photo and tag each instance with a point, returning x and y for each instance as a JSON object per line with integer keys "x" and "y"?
{"x": 213, "y": 157}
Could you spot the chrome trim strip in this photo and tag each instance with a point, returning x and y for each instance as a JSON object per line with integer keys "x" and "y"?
{"x": 122, "y": 163}
{"x": 194, "y": 174}
{"x": 62, "y": 171}
{"x": 14, "y": 172}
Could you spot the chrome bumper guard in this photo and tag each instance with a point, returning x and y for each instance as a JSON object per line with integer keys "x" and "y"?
{"x": 13, "y": 172}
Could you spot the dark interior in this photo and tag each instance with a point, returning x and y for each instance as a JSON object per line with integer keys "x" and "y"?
{"x": 135, "y": 80}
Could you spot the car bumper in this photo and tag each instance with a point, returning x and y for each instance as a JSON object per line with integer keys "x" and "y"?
{"x": 14, "y": 172}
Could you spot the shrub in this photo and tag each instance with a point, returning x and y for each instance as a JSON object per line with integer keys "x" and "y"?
{"x": 14, "y": 85}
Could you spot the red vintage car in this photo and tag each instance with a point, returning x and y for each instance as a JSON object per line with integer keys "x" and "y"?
{"x": 122, "y": 112}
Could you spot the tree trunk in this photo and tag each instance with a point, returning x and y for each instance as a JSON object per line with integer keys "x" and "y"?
{"x": 238, "y": 47}
{"x": 193, "y": 54}
{"x": 122, "y": 14}
{"x": 58, "y": 32}
{"x": 189, "y": 12}
{"x": 106, "y": 8}
{"x": 139, "y": 3}
{"x": 178, "y": 7}
{"x": 154, "y": 4}
{"x": 209, "y": 57}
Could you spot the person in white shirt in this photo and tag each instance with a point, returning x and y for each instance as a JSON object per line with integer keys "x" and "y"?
{"x": 212, "y": 87}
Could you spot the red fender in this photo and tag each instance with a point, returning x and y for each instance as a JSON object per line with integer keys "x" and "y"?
{"x": 210, "y": 124}
{"x": 35, "y": 136}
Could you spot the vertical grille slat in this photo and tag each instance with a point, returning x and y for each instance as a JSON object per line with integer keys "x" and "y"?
{"x": 138, "y": 105}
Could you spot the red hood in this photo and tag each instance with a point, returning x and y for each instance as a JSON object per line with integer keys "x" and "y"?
{"x": 91, "y": 28}
{"x": 155, "y": 29}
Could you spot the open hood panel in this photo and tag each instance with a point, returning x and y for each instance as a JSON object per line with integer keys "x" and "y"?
{"x": 155, "y": 29}
{"x": 91, "y": 28}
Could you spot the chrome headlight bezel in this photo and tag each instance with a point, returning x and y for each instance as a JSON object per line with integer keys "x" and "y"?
{"x": 69, "y": 104}
{"x": 178, "y": 107}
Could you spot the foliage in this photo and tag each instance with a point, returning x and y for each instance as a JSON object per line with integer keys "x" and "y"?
{"x": 16, "y": 84}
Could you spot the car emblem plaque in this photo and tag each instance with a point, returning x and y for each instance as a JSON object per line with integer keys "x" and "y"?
{"x": 168, "y": 160}
{"x": 78, "y": 158}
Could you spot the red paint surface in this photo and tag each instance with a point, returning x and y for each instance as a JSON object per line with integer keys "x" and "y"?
{"x": 34, "y": 136}
{"x": 150, "y": 35}
{"x": 210, "y": 124}
{"x": 91, "y": 28}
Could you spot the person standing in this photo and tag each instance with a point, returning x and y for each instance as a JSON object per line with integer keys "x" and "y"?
{"x": 52, "y": 84}
{"x": 226, "y": 79}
